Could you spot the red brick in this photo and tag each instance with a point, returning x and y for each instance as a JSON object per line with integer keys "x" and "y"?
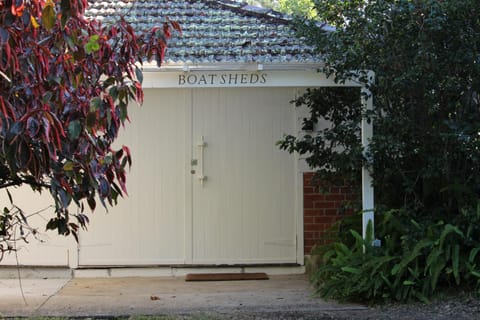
{"x": 334, "y": 190}
{"x": 308, "y": 202}
{"x": 329, "y": 205}
{"x": 309, "y": 190}
{"x": 313, "y": 196}
{"x": 351, "y": 197}
{"x": 312, "y": 227}
{"x": 307, "y": 178}
{"x": 330, "y": 212}
{"x": 335, "y": 197}
{"x": 310, "y": 240}
{"x": 319, "y": 205}
{"x": 311, "y": 212}
{"x": 309, "y": 235}
{"x": 308, "y": 219}
{"x": 321, "y": 211}
{"x": 346, "y": 190}
{"x": 324, "y": 219}
{"x": 317, "y": 196}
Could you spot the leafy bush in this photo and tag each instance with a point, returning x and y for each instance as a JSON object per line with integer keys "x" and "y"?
{"x": 416, "y": 258}
{"x": 424, "y": 156}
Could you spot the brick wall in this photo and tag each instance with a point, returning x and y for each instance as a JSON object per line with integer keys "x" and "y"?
{"x": 322, "y": 210}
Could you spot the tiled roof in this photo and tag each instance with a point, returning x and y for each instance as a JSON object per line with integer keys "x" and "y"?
{"x": 222, "y": 31}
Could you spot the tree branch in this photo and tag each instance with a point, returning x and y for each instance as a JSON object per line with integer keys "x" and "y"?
{"x": 23, "y": 181}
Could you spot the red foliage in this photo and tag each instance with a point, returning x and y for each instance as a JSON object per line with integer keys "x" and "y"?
{"x": 65, "y": 84}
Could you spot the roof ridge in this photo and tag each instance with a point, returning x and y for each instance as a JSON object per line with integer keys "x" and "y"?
{"x": 245, "y": 8}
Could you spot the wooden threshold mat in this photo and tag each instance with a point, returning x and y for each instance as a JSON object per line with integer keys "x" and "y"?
{"x": 225, "y": 276}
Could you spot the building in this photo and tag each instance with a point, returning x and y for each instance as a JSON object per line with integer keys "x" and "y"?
{"x": 208, "y": 186}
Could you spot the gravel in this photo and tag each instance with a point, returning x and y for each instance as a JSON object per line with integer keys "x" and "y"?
{"x": 457, "y": 308}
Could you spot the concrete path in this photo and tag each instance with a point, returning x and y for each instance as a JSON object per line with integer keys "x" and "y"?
{"x": 90, "y": 297}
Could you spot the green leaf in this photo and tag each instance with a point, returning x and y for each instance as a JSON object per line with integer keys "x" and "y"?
{"x": 68, "y": 166}
{"x": 473, "y": 254}
{"x": 95, "y": 104}
{"x": 139, "y": 74}
{"x": 123, "y": 111}
{"x": 66, "y": 11}
{"x": 114, "y": 92}
{"x": 48, "y": 15}
{"x": 456, "y": 262}
{"x": 91, "y": 120}
{"x": 416, "y": 252}
{"x": 448, "y": 230}
{"x": 358, "y": 238}
{"x": 369, "y": 233}
{"x": 92, "y": 44}
{"x": 351, "y": 270}
{"x": 342, "y": 249}
{"x": 435, "y": 271}
{"x": 74, "y": 129}
{"x": 69, "y": 40}
{"x": 434, "y": 255}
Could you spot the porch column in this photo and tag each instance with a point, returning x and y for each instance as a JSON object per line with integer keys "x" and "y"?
{"x": 367, "y": 188}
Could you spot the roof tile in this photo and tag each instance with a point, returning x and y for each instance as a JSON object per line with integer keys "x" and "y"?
{"x": 213, "y": 31}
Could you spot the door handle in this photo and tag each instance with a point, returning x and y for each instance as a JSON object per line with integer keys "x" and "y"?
{"x": 202, "y": 145}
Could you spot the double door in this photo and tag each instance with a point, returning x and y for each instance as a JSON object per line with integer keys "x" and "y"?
{"x": 208, "y": 183}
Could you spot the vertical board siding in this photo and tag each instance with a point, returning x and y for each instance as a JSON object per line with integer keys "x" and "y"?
{"x": 47, "y": 248}
{"x": 147, "y": 226}
{"x": 245, "y": 210}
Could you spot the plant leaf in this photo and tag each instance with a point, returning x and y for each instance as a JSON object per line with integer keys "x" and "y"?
{"x": 48, "y": 15}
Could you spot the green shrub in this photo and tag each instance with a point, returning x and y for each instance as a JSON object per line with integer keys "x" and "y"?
{"x": 417, "y": 259}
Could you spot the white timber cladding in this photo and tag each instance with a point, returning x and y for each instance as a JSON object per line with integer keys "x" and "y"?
{"x": 200, "y": 121}
{"x": 46, "y": 248}
{"x": 148, "y": 226}
{"x": 244, "y": 209}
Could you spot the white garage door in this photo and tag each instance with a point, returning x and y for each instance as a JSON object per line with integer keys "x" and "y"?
{"x": 147, "y": 227}
{"x": 208, "y": 184}
{"x": 243, "y": 212}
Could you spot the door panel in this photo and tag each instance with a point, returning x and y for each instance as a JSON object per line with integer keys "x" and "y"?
{"x": 148, "y": 226}
{"x": 244, "y": 211}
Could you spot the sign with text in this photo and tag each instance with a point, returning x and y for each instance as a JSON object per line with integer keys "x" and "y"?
{"x": 241, "y": 78}
{"x": 222, "y": 79}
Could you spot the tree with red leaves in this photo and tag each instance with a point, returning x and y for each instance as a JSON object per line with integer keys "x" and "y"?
{"x": 65, "y": 86}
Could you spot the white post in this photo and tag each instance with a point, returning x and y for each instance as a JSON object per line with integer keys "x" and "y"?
{"x": 367, "y": 188}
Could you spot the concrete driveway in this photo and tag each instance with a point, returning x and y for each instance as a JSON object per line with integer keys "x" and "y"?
{"x": 94, "y": 297}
